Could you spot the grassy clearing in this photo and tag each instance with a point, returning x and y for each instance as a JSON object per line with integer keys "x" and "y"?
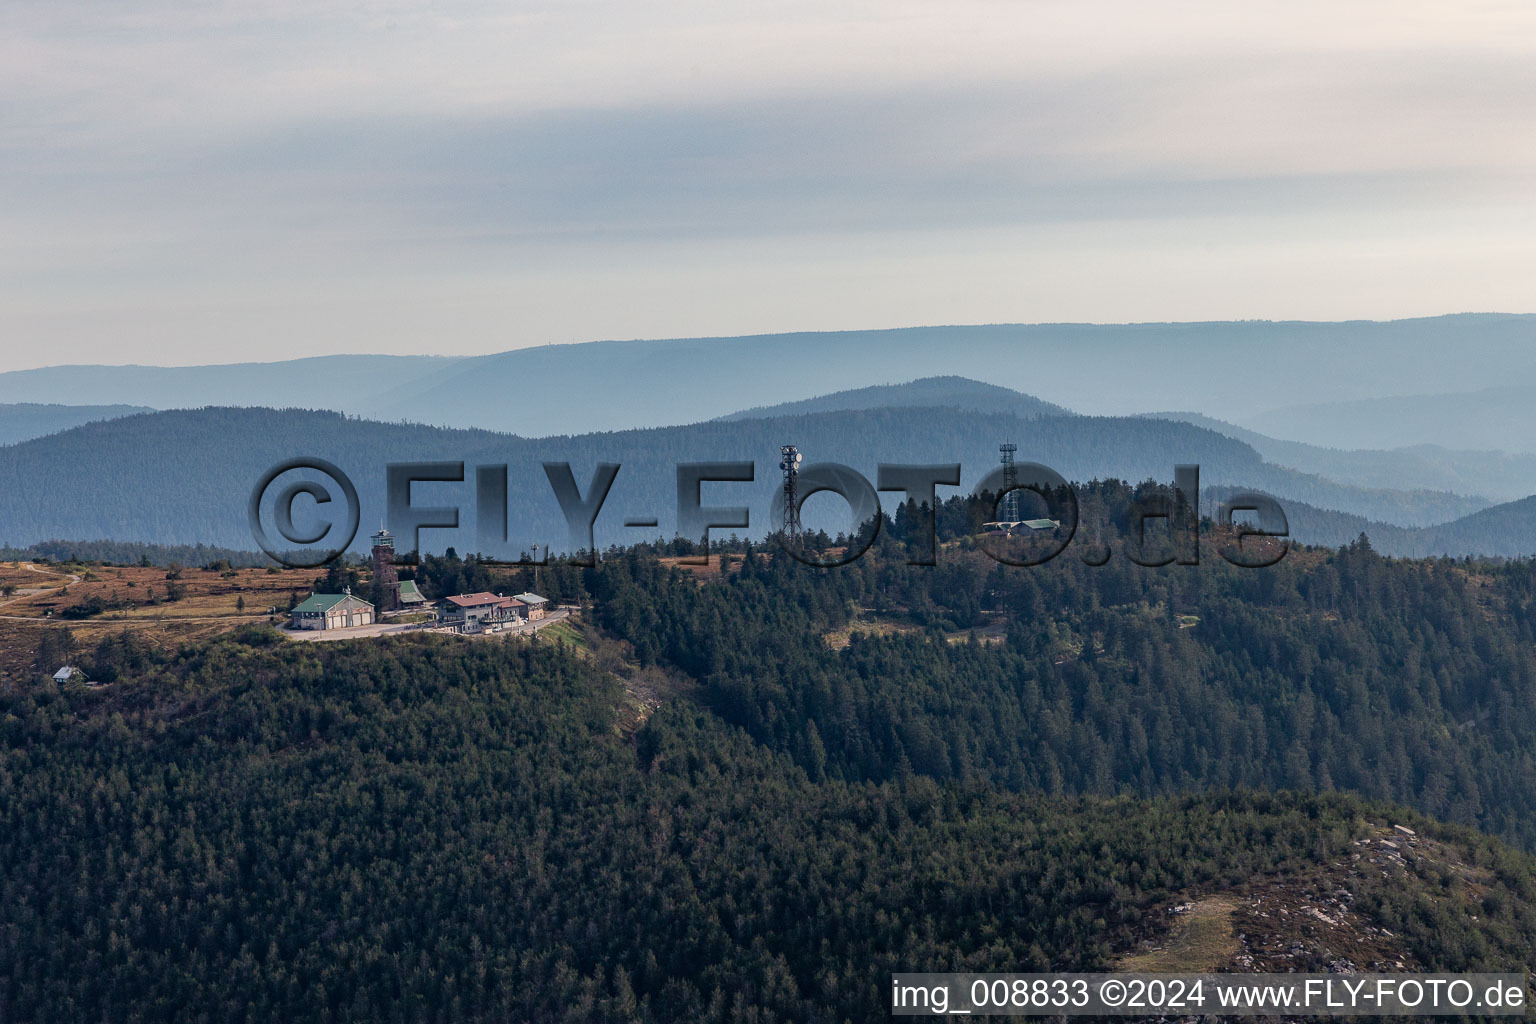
{"x": 837, "y": 639}
{"x": 564, "y": 630}
{"x": 1202, "y": 940}
{"x": 209, "y": 602}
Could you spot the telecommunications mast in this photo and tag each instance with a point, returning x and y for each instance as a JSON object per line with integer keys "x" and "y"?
{"x": 789, "y": 462}
{"x": 1009, "y": 511}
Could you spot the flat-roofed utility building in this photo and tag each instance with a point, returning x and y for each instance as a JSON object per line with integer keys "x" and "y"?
{"x": 536, "y": 604}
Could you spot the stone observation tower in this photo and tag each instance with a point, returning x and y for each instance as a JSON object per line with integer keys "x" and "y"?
{"x": 385, "y": 581}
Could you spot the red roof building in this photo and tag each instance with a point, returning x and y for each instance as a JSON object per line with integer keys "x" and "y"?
{"x": 473, "y": 612}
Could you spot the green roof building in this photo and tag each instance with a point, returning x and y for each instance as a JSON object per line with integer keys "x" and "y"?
{"x": 331, "y": 611}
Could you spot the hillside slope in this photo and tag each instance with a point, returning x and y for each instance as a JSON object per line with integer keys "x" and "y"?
{"x": 257, "y": 832}
{"x": 1408, "y": 681}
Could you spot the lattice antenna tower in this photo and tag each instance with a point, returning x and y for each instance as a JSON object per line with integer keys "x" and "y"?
{"x": 789, "y": 462}
{"x": 1009, "y": 510}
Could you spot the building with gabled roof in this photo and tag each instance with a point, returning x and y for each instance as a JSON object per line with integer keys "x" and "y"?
{"x": 331, "y": 611}
{"x": 1021, "y": 525}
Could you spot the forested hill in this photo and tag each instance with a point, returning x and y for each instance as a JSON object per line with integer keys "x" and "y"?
{"x": 1413, "y": 681}
{"x": 23, "y": 421}
{"x": 929, "y": 392}
{"x": 183, "y": 477}
{"x": 444, "y": 830}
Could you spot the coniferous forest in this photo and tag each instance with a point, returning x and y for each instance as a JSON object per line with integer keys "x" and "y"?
{"x": 377, "y": 646}
{"x": 1413, "y": 681}
{"x": 752, "y": 794}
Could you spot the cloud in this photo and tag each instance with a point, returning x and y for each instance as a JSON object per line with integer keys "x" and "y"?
{"x": 171, "y": 160}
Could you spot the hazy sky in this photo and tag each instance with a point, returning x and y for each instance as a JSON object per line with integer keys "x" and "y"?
{"x": 260, "y": 180}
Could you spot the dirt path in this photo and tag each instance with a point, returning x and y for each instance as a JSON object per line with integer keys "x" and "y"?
{"x": 23, "y": 593}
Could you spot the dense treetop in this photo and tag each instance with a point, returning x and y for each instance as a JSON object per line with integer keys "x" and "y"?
{"x": 851, "y": 771}
{"x": 435, "y": 830}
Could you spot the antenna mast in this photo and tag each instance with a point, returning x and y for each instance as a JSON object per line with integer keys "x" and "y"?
{"x": 789, "y": 462}
{"x": 1009, "y": 512}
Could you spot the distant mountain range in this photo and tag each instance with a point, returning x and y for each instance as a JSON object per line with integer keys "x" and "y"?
{"x": 1497, "y": 475}
{"x": 1502, "y": 531}
{"x": 23, "y": 421}
{"x": 323, "y": 382}
{"x": 1419, "y": 506}
{"x": 1234, "y": 371}
{"x": 183, "y": 476}
{"x": 1501, "y": 417}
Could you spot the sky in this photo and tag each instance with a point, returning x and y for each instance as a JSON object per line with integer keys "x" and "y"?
{"x": 268, "y": 179}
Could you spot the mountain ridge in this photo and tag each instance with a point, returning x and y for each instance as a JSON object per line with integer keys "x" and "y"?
{"x": 182, "y": 476}
{"x": 542, "y": 390}
{"x": 948, "y": 391}
{"x": 1462, "y": 418}
{"x": 1505, "y": 530}
{"x": 1494, "y": 475}
{"x": 23, "y": 421}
